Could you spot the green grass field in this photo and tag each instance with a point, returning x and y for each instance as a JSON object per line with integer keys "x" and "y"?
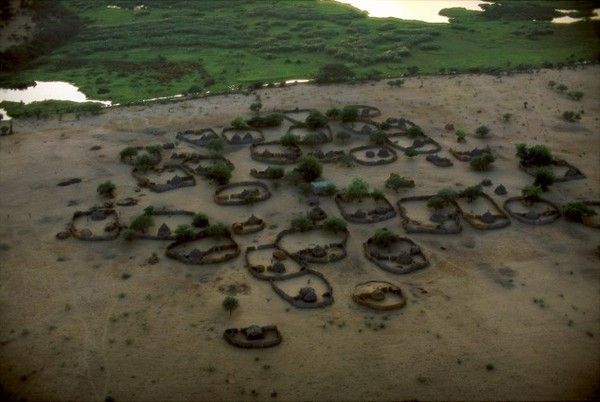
{"x": 171, "y": 46}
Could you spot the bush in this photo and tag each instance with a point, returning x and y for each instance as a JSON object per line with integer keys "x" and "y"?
{"x": 551, "y": 84}
{"x": 461, "y": 135}
{"x": 309, "y": 167}
{"x": 442, "y": 198}
{"x": 378, "y": 137}
{"x": 149, "y": 210}
{"x": 396, "y": 182}
{"x": 334, "y": 72}
{"x": 571, "y": 116}
{"x": 219, "y": 172}
{"x": 472, "y": 192}
{"x": 329, "y": 190}
{"x": 215, "y": 146}
{"x": 289, "y": 139}
{"x": 270, "y": 120}
{"x": 129, "y": 235}
{"x": 410, "y": 152}
{"x": 333, "y": 224}
{"x": 128, "y": 152}
{"x": 141, "y": 223}
{"x": 217, "y": 230}
{"x": 377, "y": 194}
{"x": 357, "y": 190}
{"x": 154, "y": 149}
{"x": 384, "y": 238}
{"x": 312, "y": 139}
{"x": 107, "y": 189}
{"x": 482, "y": 162}
{"x": 482, "y": 131}
{"x": 342, "y": 136}
{"x": 414, "y": 131}
{"x": 562, "y": 87}
{"x": 144, "y": 161}
{"x": 333, "y": 113}
{"x": 576, "y": 211}
{"x": 531, "y": 192}
{"x": 544, "y": 177}
{"x": 575, "y": 95}
{"x": 506, "y": 117}
{"x": 239, "y": 123}
{"x": 230, "y": 303}
{"x": 349, "y": 114}
{"x": 256, "y": 106}
{"x": 184, "y": 232}
{"x": 302, "y": 224}
{"x": 200, "y": 220}
{"x": 274, "y": 172}
{"x": 316, "y": 119}
{"x": 537, "y": 155}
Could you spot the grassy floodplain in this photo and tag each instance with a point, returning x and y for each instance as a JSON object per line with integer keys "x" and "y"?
{"x": 175, "y": 46}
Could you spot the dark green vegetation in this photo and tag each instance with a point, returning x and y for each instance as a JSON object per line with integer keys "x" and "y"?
{"x": 107, "y": 189}
{"x": 182, "y": 46}
{"x": 576, "y": 211}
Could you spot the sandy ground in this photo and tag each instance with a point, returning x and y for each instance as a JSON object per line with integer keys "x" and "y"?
{"x": 73, "y": 329}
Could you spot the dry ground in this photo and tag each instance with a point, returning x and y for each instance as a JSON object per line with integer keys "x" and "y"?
{"x": 73, "y": 329}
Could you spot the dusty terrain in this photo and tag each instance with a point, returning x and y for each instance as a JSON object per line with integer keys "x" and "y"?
{"x": 73, "y": 329}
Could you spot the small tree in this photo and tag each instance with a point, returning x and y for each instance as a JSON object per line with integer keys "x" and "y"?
{"x": 531, "y": 192}
{"x": 575, "y": 95}
{"x": 506, "y": 117}
{"x": 378, "y": 137}
{"x": 141, "y": 223}
{"x": 415, "y": 131}
{"x": 443, "y": 198}
{"x": 482, "y": 131}
{"x": 482, "y": 162}
{"x": 544, "y": 177}
{"x": 154, "y": 149}
{"x": 274, "y": 172}
{"x": 334, "y": 72}
{"x": 128, "y": 152}
{"x": 302, "y": 224}
{"x": 472, "y": 192}
{"x": 312, "y": 139}
{"x": 256, "y": 106}
{"x": 217, "y": 230}
{"x": 571, "y": 116}
{"x": 289, "y": 139}
{"x": 184, "y": 232}
{"x": 239, "y": 123}
{"x": 384, "y": 238}
{"x": 220, "y": 172}
{"x": 357, "y": 190}
{"x": 334, "y": 224}
{"x": 410, "y": 152}
{"x": 107, "y": 189}
{"x": 461, "y": 135}
{"x": 536, "y": 155}
{"x": 349, "y": 114}
{"x": 144, "y": 161}
{"x": 396, "y": 182}
{"x": 200, "y": 220}
{"x": 309, "y": 167}
{"x": 230, "y": 303}
{"x": 577, "y": 211}
{"x": 333, "y": 113}
{"x": 316, "y": 119}
{"x": 215, "y": 146}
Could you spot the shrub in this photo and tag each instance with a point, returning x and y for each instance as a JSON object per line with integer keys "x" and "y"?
{"x": 396, "y": 182}
{"x": 301, "y": 224}
{"x": 274, "y": 172}
{"x": 215, "y": 146}
{"x": 217, "y": 230}
{"x": 531, "y": 192}
{"x": 414, "y": 131}
{"x": 544, "y": 177}
{"x": 576, "y": 211}
{"x": 377, "y": 194}
{"x": 506, "y": 117}
{"x": 551, "y": 84}
{"x": 571, "y": 116}
{"x": 461, "y": 135}
{"x": 144, "y": 161}
{"x": 106, "y": 189}
{"x": 482, "y": 162}
{"x": 562, "y": 87}
{"x": 230, "y": 303}
{"x": 129, "y": 235}
{"x": 128, "y": 152}
{"x": 349, "y": 114}
{"x": 141, "y": 223}
{"x": 149, "y": 210}
{"x": 472, "y": 192}
{"x": 270, "y": 120}
{"x": 219, "y": 172}
{"x": 316, "y": 119}
{"x": 329, "y": 190}
{"x": 410, "y": 152}
{"x": 184, "y": 232}
{"x": 384, "y": 238}
{"x": 575, "y": 95}
{"x": 334, "y": 224}
{"x": 537, "y": 155}
{"x": 289, "y": 139}
{"x": 378, "y": 137}
{"x": 154, "y": 149}
{"x": 357, "y": 190}
{"x": 343, "y": 136}
{"x": 442, "y": 198}
{"x": 482, "y": 131}
{"x": 333, "y": 113}
{"x": 309, "y": 167}
{"x": 200, "y": 220}
{"x": 256, "y": 106}
{"x": 239, "y": 123}
{"x": 334, "y": 72}
{"x": 312, "y": 139}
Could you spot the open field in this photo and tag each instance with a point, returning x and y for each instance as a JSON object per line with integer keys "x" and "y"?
{"x": 510, "y": 314}
{"x": 173, "y": 47}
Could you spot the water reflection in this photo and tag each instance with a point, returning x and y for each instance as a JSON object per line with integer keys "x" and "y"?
{"x": 419, "y": 10}
{"x": 47, "y": 90}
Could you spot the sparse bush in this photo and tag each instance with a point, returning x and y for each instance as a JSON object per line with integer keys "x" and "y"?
{"x": 141, "y": 223}
{"x": 107, "y": 189}
{"x": 410, "y": 152}
{"x": 482, "y": 131}
{"x": 544, "y": 177}
{"x": 349, "y": 114}
{"x": 149, "y": 210}
{"x": 128, "y": 152}
{"x": 357, "y": 190}
{"x": 384, "y": 238}
{"x": 396, "y": 182}
{"x": 378, "y": 137}
{"x": 506, "y": 117}
{"x": 274, "y": 172}
{"x": 215, "y": 146}
{"x": 333, "y": 113}
{"x": 531, "y": 192}
{"x": 482, "y": 162}
{"x": 154, "y": 149}
{"x": 442, "y": 198}
{"x": 562, "y": 87}
{"x": 302, "y": 224}
{"x": 256, "y": 106}
{"x": 334, "y": 224}
{"x": 329, "y": 190}
{"x": 312, "y": 139}
{"x": 551, "y": 84}
{"x": 577, "y": 211}
{"x": 239, "y": 123}
{"x": 571, "y": 116}
{"x": 220, "y": 172}
{"x": 316, "y": 119}
{"x": 461, "y": 135}
{"x": 200, "y": 220}
{"x": 537, "y": 155}
{"x": 289, "y": 139}
{"x": 144, "y": 161}
{"x": 270, "y": 120}
{"x": 414, "y": 131}
{"x": 309, "y": 167}
{"x": 217, "y": 230}
{"x": 230, "y": 303}
{"x": 184, "y": 232}
{"x": 575, "y": 95}
{"x": 472, "y": 192}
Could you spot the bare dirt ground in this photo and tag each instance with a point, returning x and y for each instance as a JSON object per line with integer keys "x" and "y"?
{"x": 511, "y": 314}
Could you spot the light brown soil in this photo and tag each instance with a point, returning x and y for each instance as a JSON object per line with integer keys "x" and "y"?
{"x": 73, "y": 329}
